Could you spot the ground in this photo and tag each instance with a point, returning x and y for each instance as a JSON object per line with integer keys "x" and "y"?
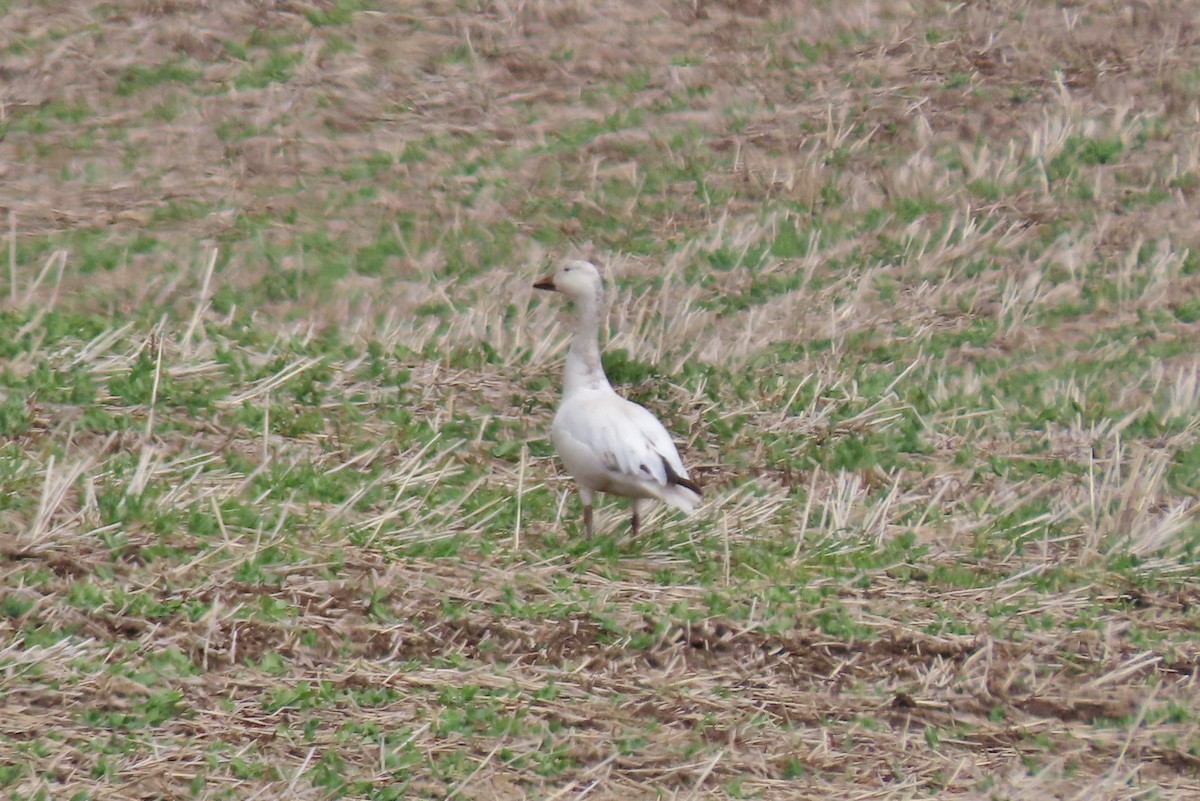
{"x": 915, "y": 285}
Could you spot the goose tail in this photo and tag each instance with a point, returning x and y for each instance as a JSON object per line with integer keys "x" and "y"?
{"x": 682, "y": 498}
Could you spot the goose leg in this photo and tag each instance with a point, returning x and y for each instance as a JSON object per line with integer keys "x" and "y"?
{"x": 635, "y": 519}
{"x": 586, "y": 497}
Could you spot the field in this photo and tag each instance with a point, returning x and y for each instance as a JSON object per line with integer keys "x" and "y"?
{"x": 915, "y": 284}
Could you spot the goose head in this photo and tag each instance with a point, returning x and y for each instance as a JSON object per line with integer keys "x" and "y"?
{"x": 576, "y": 279}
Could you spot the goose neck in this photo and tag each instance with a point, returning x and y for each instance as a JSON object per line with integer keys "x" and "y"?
{"x": 584, "y": 369}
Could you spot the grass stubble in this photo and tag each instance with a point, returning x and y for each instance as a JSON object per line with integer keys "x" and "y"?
{"x": 915, "y": 284}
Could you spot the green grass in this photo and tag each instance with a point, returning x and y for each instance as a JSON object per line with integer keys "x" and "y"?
{"x": 284, "y": 515}
{"x": 138, "y": 78}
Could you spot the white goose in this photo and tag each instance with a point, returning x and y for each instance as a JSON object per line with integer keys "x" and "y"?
{"x": 609, "y": 444}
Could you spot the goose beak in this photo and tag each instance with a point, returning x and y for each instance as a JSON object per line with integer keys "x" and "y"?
{"x": 545, "y": 283}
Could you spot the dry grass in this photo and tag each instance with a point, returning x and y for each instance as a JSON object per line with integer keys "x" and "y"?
{"x": 913, "y": 282}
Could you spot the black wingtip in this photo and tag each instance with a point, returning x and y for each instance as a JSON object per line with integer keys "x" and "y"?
{"x": 675, "y": 478}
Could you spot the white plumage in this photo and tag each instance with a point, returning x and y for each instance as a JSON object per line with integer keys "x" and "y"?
{"x": 609, "y": 444}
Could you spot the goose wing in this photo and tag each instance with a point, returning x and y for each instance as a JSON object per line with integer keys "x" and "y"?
{"x": 626, "y": 439}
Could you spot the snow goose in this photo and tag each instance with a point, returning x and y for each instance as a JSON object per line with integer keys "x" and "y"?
{"x": 608, "y": 444}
